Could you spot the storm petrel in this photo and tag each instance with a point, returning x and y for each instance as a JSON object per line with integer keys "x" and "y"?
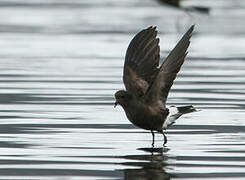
{"x": 147, "y": 84}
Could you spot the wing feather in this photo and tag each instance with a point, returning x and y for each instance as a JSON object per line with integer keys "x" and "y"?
{"x": 141, "y": 61}
{"x": 158, "y": 91}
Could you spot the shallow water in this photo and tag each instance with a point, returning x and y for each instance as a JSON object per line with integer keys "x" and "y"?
{"x": 61, "y": 63}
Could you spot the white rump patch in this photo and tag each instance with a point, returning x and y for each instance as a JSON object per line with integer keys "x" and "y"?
{"x": 172, "y": 117}
{"x": 175, "y": 113}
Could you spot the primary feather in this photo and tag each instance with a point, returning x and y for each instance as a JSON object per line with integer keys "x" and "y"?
{"x": 141, "y": 61}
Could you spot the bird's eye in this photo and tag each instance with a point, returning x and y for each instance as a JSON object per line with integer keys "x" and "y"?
{"x": 122, "y": 96}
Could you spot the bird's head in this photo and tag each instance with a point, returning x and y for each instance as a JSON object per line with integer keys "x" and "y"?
{"x": 122, "y": 98}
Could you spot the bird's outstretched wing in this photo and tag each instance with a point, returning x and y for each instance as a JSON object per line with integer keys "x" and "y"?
{"x": 157, "y": 92}
{"x": 141, "y": 61}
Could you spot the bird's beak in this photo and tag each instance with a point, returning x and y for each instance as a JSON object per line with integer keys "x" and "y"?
{"x": 115, "y": 105}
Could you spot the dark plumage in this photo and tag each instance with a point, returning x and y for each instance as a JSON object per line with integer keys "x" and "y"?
{"x": 147, "y": 84}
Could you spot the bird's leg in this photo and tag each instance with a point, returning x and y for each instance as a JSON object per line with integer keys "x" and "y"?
{"x": 153, "y": 138}
{"x": 165, "y": 138}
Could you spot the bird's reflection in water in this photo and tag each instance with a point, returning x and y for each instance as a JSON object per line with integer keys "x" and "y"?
{"x": 150, "y": 165}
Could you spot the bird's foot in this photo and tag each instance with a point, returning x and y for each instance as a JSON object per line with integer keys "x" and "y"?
{"x": 165, "y": 139}
{"x": 153, "y": 139}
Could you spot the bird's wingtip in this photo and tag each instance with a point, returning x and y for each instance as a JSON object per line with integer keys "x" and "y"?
{"x": 192, "y": 28}
{"x": 152, "y": 28}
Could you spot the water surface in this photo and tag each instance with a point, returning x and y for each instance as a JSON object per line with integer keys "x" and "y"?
{"x": 60, "y": 64}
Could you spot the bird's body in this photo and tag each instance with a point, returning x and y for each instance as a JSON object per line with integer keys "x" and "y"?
{"x": 147, "y": 85}
{"x": 140, "y": 113}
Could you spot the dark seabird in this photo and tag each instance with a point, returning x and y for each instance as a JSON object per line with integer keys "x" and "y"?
{"x": 177, "y": 4}
{"x": 147, "y": 85}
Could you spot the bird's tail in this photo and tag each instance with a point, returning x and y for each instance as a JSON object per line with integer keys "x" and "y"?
{"x": 175, "y": 113}
{"x": 186, "y": 109}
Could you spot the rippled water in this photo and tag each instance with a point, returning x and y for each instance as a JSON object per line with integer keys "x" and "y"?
{"x": 60, "y": 64}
